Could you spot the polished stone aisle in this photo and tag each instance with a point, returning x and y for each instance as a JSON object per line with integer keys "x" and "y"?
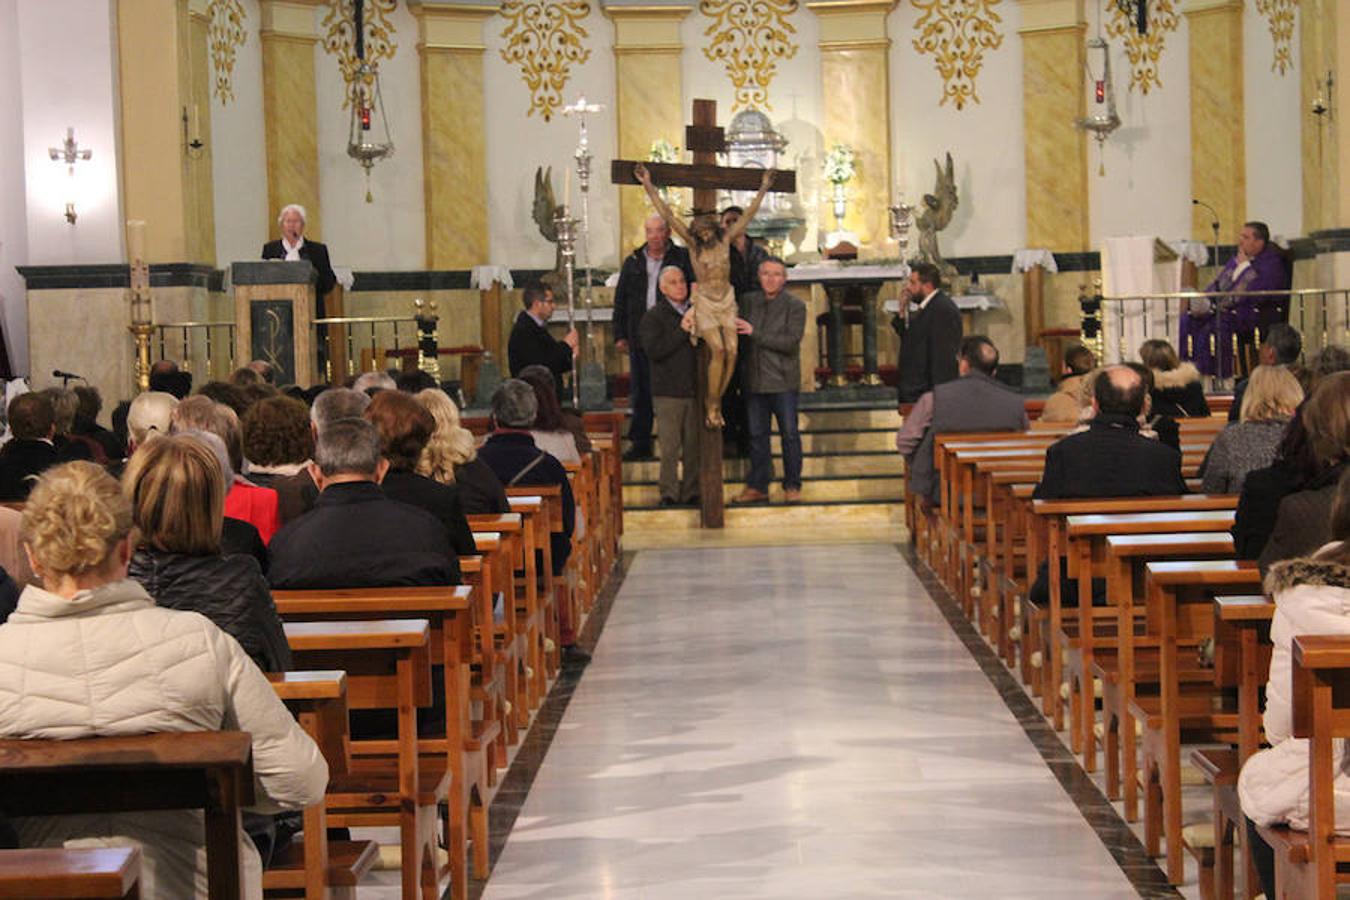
{"x": 792, "y": 722}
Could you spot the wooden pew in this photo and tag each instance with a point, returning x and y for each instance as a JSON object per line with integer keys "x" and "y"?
{"x": 55, "y": 873}
{"x": 535, "y": 615}
{"x": 207, "y": 770}
{"x": 314, "y": 867}
{"x": 1310, "y": 864}
{"x": 485, "y": 734}
{"x": 1180, "y": 615}
{"x": 501, "y": 645}
{"x": 388, "y": 666}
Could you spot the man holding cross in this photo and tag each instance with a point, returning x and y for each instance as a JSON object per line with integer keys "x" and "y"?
{"x": 714, "y": 298}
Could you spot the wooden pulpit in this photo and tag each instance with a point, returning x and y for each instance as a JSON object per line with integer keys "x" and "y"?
{"x": 273, "y": 315}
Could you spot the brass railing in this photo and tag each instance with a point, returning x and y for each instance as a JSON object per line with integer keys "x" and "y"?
{"x": 366, "y": 339}
{"x": 1121, "y": 323}
{"x": 206, "y": 349}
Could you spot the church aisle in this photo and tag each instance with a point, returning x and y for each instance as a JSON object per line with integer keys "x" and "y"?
{"x": 792, "y": 722}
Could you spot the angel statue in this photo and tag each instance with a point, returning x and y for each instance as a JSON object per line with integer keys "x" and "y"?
{"x": 714, "y": 302}
{"x": 938, "y": 208}
{"x": 544, "y": 208}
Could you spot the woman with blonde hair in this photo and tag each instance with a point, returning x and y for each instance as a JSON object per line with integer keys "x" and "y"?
{"x": 451, "y": 457}
{"x": 91, "y": 654}
{"x": 1272, "y": 395}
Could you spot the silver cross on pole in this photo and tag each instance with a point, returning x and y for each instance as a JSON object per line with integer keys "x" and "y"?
{"x": 581, "y": 109}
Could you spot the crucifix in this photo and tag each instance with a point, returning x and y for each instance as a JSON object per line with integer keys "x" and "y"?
{"x": 709, "y": 249}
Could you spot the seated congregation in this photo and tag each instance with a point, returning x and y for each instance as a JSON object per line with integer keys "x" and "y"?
{"x": 363, "y": 597}
{"x": 1168, "y": 579}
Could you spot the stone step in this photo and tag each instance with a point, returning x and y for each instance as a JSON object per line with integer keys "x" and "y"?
{"x": 831, "y": 442}
{"x": 887, "y": 518}
{"x": 851, "y": 465}
{"x": 833, "y": 490}
{"x": 849, "y": 419}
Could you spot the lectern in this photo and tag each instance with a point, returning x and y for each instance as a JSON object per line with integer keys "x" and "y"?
{"x": 273, "y": 315}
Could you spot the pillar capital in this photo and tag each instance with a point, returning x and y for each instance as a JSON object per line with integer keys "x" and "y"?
{"x": 451, "y": 25}
{"x": 650, "y": 27}
{"x": 852, "y": 24}
{"x": 289, "y": 19}
{"x": 1051, "y": 15}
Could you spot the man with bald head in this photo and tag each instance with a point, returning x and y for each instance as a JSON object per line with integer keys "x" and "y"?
{"x": 1111, "y": 458}
{"x": 635, "y": 294}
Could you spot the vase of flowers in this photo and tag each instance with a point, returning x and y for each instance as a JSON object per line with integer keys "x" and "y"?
{"x": 839, "y": 168}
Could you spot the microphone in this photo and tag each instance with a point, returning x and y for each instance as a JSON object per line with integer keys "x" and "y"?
{"x": 67, "y": 376}
{"x": 1212, "y": 211}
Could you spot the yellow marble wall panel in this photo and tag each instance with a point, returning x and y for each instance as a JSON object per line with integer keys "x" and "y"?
{"x": 152, "y": 159}
{"x": 290, "y": 120}
{"x": 1053, "y": 97}
{"x": 454, "y": 158}
{"x": 201, "y": 235}
{"x": 647, "y": 109}
{"x": 1319, "y": 24}
{"x": 1218, "y": 157}
{"x": 856, "y": 85}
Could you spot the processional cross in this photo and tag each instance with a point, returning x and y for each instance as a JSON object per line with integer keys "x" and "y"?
{"x": 705, "y": 139}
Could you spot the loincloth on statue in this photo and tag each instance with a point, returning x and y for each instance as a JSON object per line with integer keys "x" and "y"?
{"x": 715, "y": 311}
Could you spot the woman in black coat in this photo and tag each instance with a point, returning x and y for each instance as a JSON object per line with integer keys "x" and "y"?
{"x": 1178, "y": 389}
{"x": 177, "y": 493}
{"x": 450, "y": 457}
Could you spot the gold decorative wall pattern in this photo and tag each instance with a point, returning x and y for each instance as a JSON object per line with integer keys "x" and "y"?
{"x": 1144, "y": 50}
{"x": 225, "y": 35}
{"x": 544, "y": 39}
{"x": 957, "y": 33}
{"x": 1279, "y": 14}
{"x": 339, "y": 36}
{"x": 749, "y": 37}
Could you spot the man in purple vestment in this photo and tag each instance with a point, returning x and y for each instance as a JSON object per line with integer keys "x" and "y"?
{"x": 1211, "y": 330}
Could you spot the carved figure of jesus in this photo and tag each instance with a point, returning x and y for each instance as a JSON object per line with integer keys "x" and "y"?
{"x": 714, "y": 300}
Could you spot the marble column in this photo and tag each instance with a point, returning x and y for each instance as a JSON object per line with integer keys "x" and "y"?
{"x": 290, "y": 110}
{"x": 649, "y": 104}
{"x": 855, "y": 80}
{"x": 201, "y": 237}
{"x": 454, "y": 153}
{"x": 162, "y": 183}
{"x": 1218, "y": 113}
{"x": 1324, "y": 47}
{"x": 1053, "y": 100}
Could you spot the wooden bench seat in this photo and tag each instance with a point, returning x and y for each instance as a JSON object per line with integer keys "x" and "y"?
{"x": 55, "y": 873}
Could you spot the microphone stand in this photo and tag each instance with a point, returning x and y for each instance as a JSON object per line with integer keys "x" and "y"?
{"x": 1214, "y": 227}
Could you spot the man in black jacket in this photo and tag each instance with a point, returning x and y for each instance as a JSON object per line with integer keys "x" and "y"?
{"x": 666, "y": 336}
{"x": 32, "y": 420}
{"x": 532, "y": 345}
{"x": 930, "y": 336}
{"x": 292, "y": 246}
{"x": 355, "y": 536}
{"x": 636, "y": 293}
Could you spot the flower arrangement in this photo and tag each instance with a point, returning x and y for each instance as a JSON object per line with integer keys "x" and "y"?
{"x": 840, "y": 164}
{"x": 663, "y": 151}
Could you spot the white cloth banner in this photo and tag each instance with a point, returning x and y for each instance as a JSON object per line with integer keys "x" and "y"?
{"x": 1129, "y": 270}
{"x": 1026, "y": 258}
{"x": 482, "y": 277}
{"x": 345, "y": 276}
{"x": 1196, "y": 251}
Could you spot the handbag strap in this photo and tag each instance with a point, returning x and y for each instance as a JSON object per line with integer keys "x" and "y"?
{"x": 525, "y": 471}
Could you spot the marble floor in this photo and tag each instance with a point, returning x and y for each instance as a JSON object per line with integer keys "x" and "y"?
{"x": 792, "y": 722}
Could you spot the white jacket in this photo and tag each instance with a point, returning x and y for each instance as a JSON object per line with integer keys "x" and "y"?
{"x": 1312, "y": 596}
{"x": 110, "y": 662}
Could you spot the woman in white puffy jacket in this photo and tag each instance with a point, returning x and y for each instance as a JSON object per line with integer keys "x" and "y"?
{"x": 90, "y": 654}
{"x": 1312, "y": 596}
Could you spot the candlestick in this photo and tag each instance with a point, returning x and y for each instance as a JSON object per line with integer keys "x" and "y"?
{"x": 135, "y": 239}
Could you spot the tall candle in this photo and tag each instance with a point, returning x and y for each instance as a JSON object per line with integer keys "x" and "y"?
{"x": 136, "y": 239}
{"x": 567, "y": 188}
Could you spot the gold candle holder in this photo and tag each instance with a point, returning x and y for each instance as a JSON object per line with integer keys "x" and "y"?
{"x": 142, "y": 321}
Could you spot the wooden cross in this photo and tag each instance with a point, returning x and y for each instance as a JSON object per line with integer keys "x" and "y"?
{"x": 705, "y": 138}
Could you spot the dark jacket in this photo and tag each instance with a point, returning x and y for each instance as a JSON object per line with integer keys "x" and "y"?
{"x": 113, "y": 448}
{"x": 1179, "y": 393}
{"x": 974, "y": 402}
{"x": 1258, "y": 504}
{"x": 441, "y": 500}
{"x": 1110, "y": 459}
{"x": 672, "y": 356}
{"x": 928, "y": 347}
{"x": 296, "y": 494}
{"x": 1303, "y": 520}
{"x": 20, "y": 461}
{"x": 239, "y": 538}
{"x": 745, "y": 267}
{"x": 630, "y": 296}
{"x": 773, "y": 363}
{"x": 508, "y": 454}
{"x": 355, "y": 536}
{"x": 480, "y": 490}
{"x": 317, "y": 254}
{"x": 531, "y": 345}
{"x": 228, "y": 590}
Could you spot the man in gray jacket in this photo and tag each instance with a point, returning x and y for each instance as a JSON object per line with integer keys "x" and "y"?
{"x": 773, "y": 321}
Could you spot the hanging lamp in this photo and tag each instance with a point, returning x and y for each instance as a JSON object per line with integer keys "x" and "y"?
{"x": 367, "y": 103}
{"x": 1102, "y": 118}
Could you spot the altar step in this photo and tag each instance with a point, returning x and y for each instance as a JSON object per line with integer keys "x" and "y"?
{"x": 883, "y": 519}
{"x": 856, "y": 464}
{"x": 869, "y": 488}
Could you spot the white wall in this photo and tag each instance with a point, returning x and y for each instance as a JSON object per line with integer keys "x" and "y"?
{"x": 239, "y": 157}
{"x": 68, "y": 73}
{"x": 517, "y": 144}
{"x": 984, "y": 138}
{"x": 13, "y": 213}
{"x": 1274, "y": 116}
{"x": 1147, "y": 186}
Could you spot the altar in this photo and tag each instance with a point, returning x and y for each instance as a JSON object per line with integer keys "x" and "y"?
{"x": 852, "y": 292}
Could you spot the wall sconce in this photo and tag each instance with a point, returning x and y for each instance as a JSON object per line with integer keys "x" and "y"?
{"x": 69, "y": 153}
{"x": 192, "y": 131}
